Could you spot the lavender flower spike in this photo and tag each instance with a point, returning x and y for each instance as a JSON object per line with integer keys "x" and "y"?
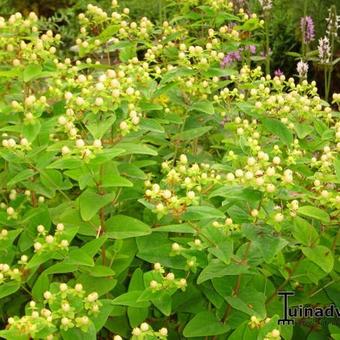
{"x": 230, "y": 57}
{"x": 302, "y": 69}
{"x": 324, "y": 49}
{"x": 307, "y": 28}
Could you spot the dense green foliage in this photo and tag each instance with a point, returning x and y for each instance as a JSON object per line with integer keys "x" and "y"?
{"x": 152, "y": 188}
{"x": 285, "y": 29}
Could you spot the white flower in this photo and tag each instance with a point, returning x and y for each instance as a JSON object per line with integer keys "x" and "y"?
{"x": 324, "y": 49}
{"x": 228, "y": 221}
{"x": 279, "y": 217}
{"x": 153, "y": 284}
{"x": 37, "y": 246}
{"x": 63, "y": 287}
{"x": 78, "y": 287}
{"x": 60, "y": 227}
{"x": 163, "y": 331}
{"x": 170, "y": 276}
{"x": 175, "y": 247}
{"x": 183, "y": 159}
{"x": 10, "y": 211}
{"x": 64, "y": 244}
{"x": 80, "y": 143}
{"x": 136, "y": 331}
{"x": 123, "y": 125}
{"x": 65, "y": 321}
{"x": 144, "y": 327}
{"x": 65, "y": 150}
{"x": 191, "y": 195}
{"x": 49, "y": 239}
{"x": 40, "y": 228}
{"x": 92, "y": 297}
{"x": 97, "y": 143}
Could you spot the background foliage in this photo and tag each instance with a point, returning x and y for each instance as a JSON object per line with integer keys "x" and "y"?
{"x": 156, "y": 183}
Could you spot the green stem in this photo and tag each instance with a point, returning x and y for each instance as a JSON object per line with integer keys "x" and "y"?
{"x": 267, "y": 46}
{"x": 330, "y": 69}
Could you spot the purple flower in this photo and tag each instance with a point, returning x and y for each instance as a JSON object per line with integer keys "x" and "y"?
{"x": 307, "y": 28}
{"x": 278, "y": 73}
{"x": 252, "y": 49}
{"x": 231, "y": 57}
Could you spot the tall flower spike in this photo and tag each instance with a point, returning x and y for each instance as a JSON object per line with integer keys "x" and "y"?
{"x": 333, "y": 22}
{"x": 266, "y": 5}
{"x": 302, "y": 69}
{"x": 307, "y": 28}
{"x": 324, "y": 49}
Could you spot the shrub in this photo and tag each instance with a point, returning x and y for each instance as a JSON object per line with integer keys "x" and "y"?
{"x": 151, "y": 189}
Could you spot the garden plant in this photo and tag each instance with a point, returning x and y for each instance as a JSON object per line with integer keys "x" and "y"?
{"x": 159, "y": 181}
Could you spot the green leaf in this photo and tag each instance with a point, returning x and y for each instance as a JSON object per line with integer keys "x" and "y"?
{"x": 108, "y": 32}
{"x": 335, "y": 331}
{"x": 204, "y": 324}
{"x": 249, "y": 301}
{"x": 163, "y": 302}
{"x": 136, "y": 148}
{"x": 264, "y": 241}
{"x": 121, "y": 227}
{"x": 114, "y": 180}
{"x": 127, "y": 53}
{"x": 9, "y": 288}
{"x": 31, "y": 71}
{"x": 38, "y": 259}
{"x": 279, "y": 129}
{"x": 77, "y": 334}
{"x": 137, "y": 315}
{"x": 130, "y": 299}
{"x": 244, "y": 332}
{"x": 223, "y": 250}
{"x": 304, "y": 232}
{"x": 152, "y": 125}
{"x": 320, "y": 255}
{"x": 337, "y": 168}
{"x": 100, "y": 319}
{"x": 202, "y": 212}
{"x": 98, "y": 129}
{"x": 21, "y": 176}
{"x": 314, "y": 212}
{"x": 156, "y": 247}
{"x": 90, "y": 202}
{"x": 51, "y": 178}
{"x": 192, "y": 133}
{"x": 175, "y": 73}
{"x": 68, "y": 163}
{"x": 92, "y": 247}
{"x": 100, "y": 271}
{"x": 79, "y": 257}
{"x": 203, "y": 106}
{"x": 176, "y": 228}
{"x": 31, "y": 131}
{"x": 217, "y": 268}
{"x": 101, "y": 285}
{"x": 303, "y": 129}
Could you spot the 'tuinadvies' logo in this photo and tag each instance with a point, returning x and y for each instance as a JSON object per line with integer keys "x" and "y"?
{"x": 300, "y": 311}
